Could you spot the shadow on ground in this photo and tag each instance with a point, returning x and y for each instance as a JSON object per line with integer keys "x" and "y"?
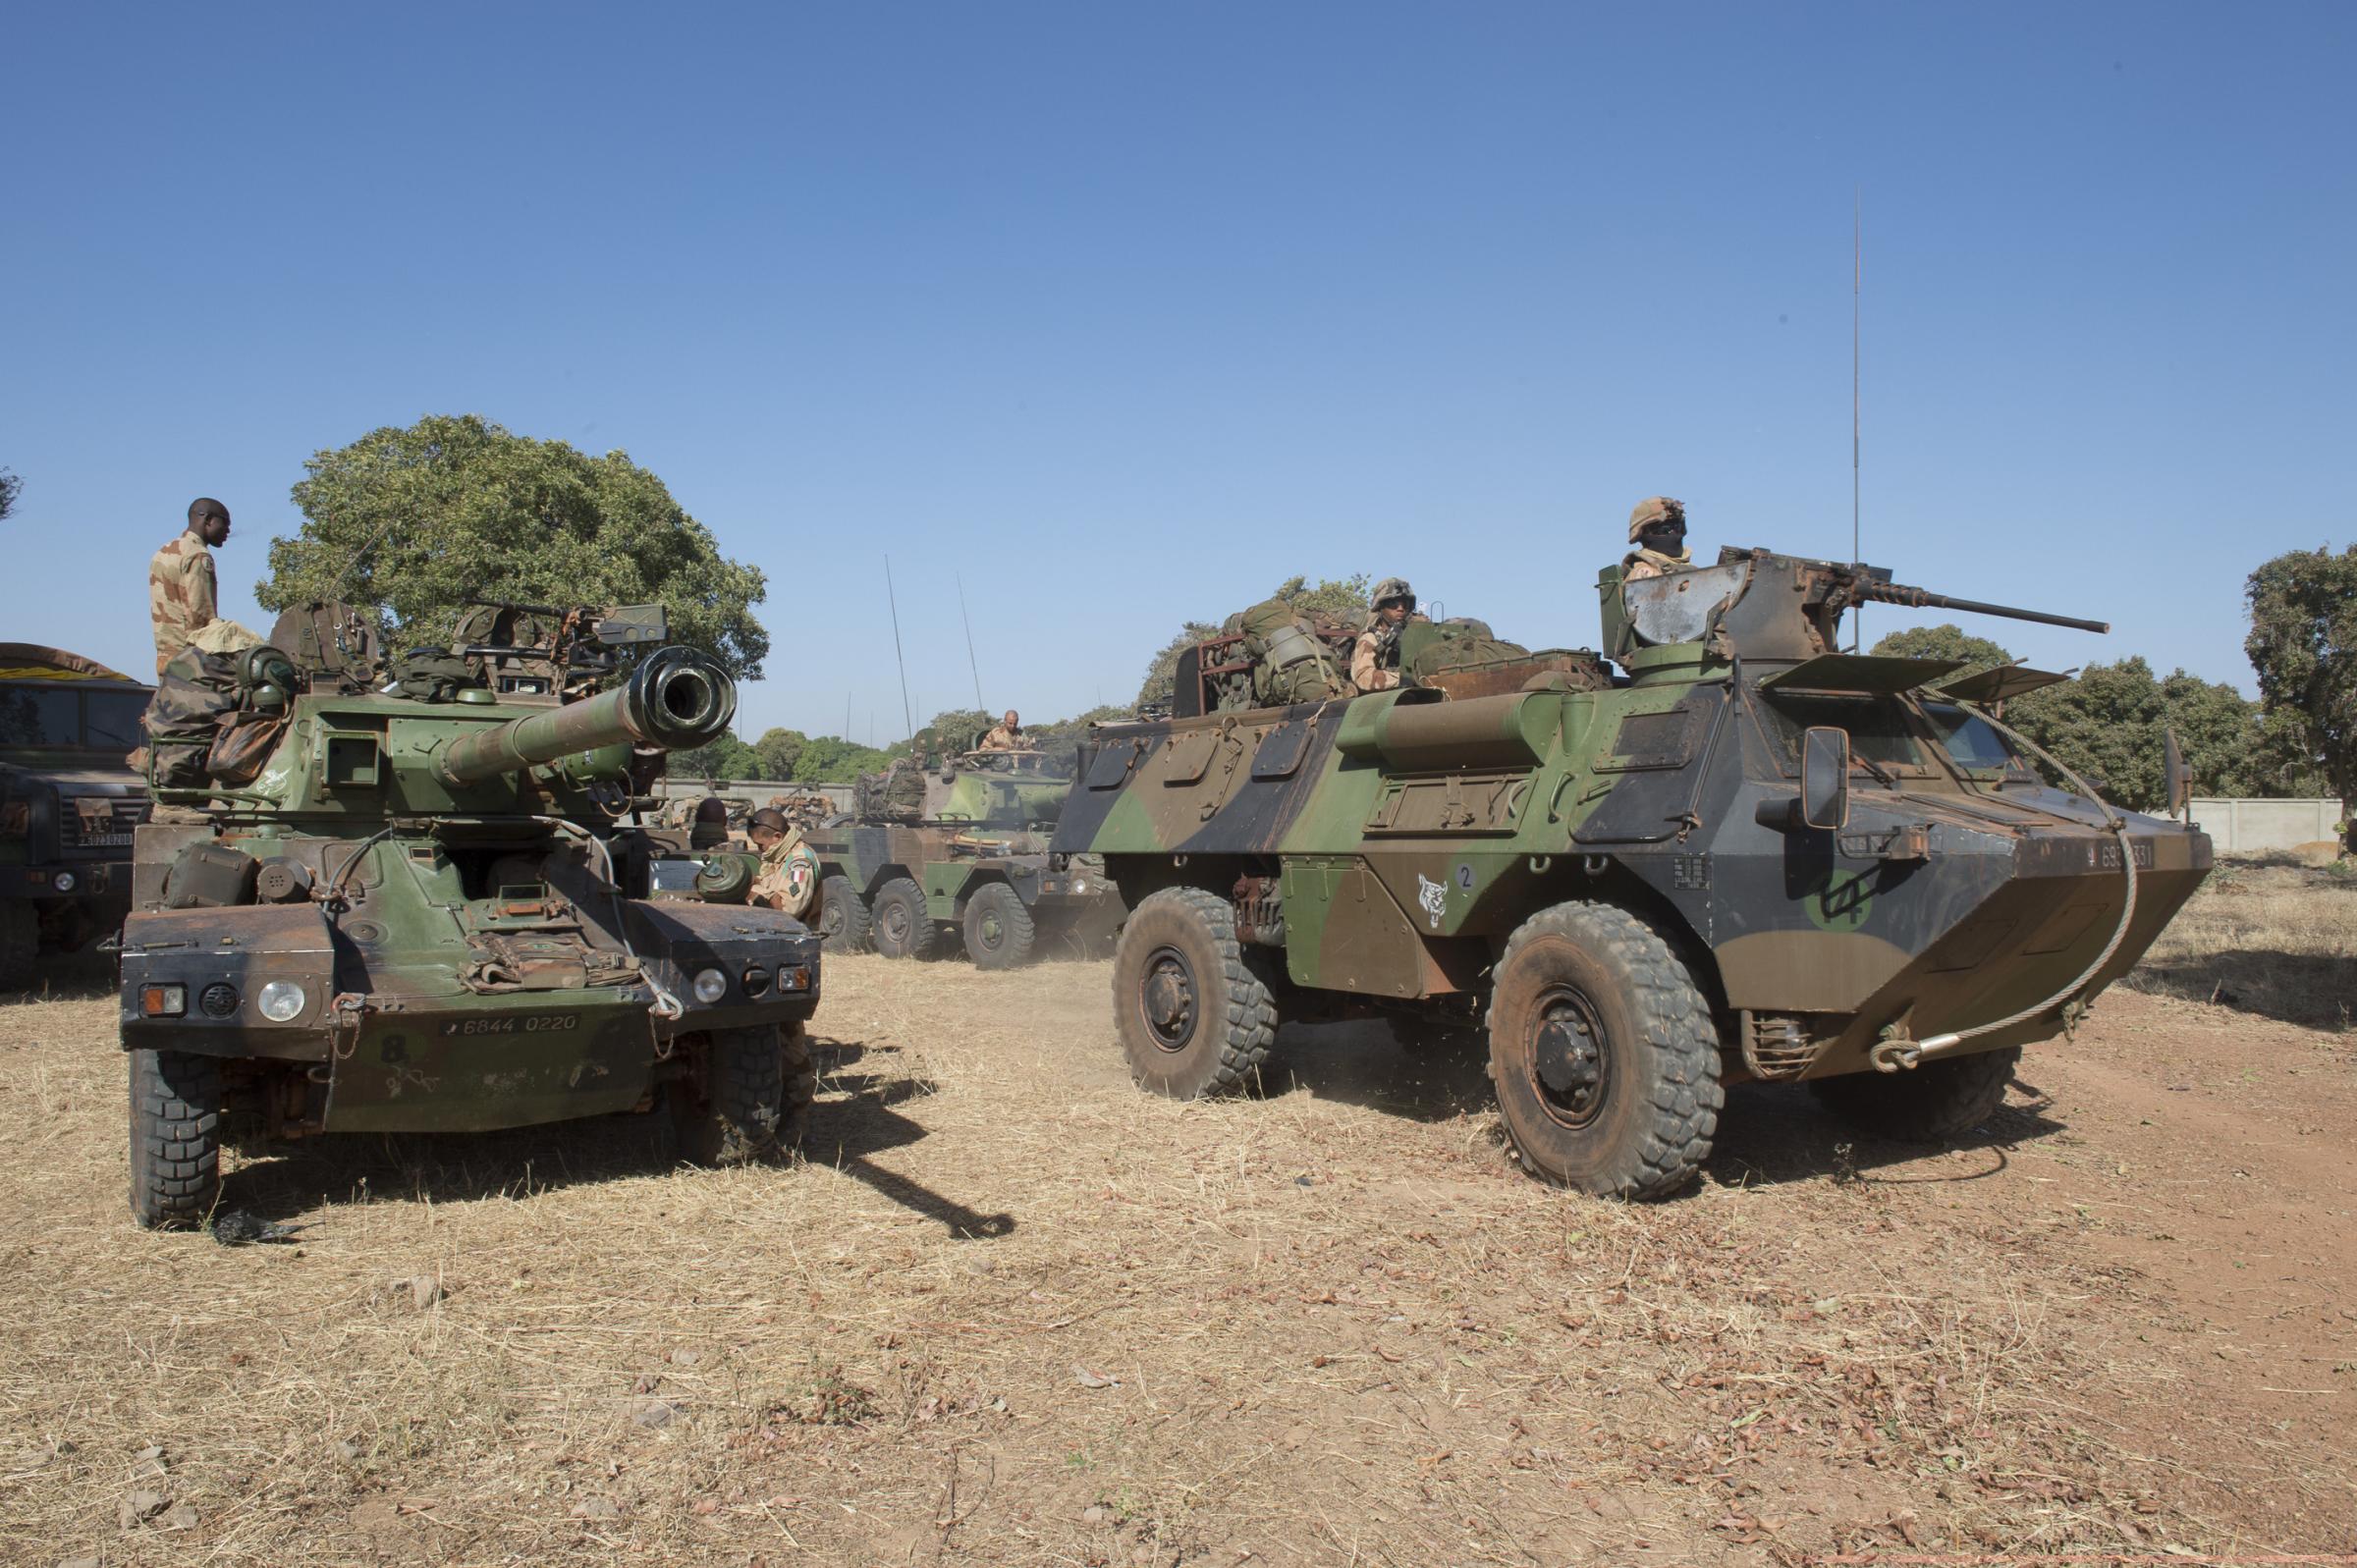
{"x": 2316, "y": 991}
{"x": 1360, "y": 1064}
{"x": 854, "y": 1120}
{"x": 1776, "y": 1133}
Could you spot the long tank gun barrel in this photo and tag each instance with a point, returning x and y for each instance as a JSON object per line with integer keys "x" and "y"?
{"x": 1893, "y": 593}
{"x": 674, "y": 700}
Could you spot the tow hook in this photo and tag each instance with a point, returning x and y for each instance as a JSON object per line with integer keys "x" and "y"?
{"x": 1900, "y": 1051}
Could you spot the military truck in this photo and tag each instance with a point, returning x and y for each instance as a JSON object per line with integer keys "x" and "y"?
{"x": 423, "y": 910}
{"x": 960, "y": 855}
{"x": 1743, "y": 854}
{"x": 69, "y": 803}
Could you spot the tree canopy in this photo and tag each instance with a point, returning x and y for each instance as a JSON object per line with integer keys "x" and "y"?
{"x": 421, "y": 522}
{"x": 10, "y": 488}
{"x": 2303, "y": 645}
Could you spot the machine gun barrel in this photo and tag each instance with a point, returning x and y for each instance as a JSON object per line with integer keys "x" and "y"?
{"x": 1893, "y": 593}
{"x": 674, "y": 700}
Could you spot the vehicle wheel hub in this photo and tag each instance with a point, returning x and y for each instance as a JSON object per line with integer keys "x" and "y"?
{"x": 1568, "y": 1058}
{"x": 1169, "y": 998}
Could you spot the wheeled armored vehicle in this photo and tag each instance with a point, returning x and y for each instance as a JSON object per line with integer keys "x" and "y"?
{"x": 966, "y": 862}
{"x": 400, "y": 896}
{"x": 1741, "y": 855}
{"x": 69, "y": 803}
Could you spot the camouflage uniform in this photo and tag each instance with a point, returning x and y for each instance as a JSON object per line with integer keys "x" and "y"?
{"x": 1641, "y": 564}
{"x": 1002, "y": 739}
{"x": 788, "y": 881}
{"x": 181, "y": 596}
{"x": 1374, "y": 657}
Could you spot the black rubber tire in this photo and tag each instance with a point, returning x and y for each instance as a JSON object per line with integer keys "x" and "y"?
{"x": 999, "y": 932}
{"x": 19, "y": 945}
{"x": 1946, "y": 1097}
{"x": 901, "y": 928}
{"x": 844, "y": 921}
{"x": 753, "y": 1099}
{"x": 1636, "y": 1049}
{"x": 175, "y": 1137}
{"x": 1194, "y": 1018}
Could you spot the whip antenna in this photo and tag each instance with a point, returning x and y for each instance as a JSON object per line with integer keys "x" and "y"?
{"x": 907, "y": 717}
{"x": 1857, "y": 278}
{"x": 979, "y": 705}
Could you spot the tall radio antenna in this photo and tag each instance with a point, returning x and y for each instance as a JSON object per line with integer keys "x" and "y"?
{"x": 969, "y": 645}
{"x": 1857, "y": 280}
{"x": 907, "y": 717}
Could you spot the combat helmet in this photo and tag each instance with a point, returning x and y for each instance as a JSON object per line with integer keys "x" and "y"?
{"x": 1392, "y": 588}
{"x": 1652, "y": 510}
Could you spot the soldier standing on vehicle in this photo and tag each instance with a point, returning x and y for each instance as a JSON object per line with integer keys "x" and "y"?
{"x": 788, "y": 881}
{"x": 181, "y": 594}
{"x": 1375, "y": 658}
{"x": 1657, "y": 528}
{"x": 1006, "y": 735}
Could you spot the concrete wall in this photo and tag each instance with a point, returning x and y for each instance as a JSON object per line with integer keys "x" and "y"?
{"x": 2249, "y": 826}
{"x": 755, "y": 791}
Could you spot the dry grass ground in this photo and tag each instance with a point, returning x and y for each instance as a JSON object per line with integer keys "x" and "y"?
{"x": 1012, "y": 1312}
{"x": 2272, "y": 936}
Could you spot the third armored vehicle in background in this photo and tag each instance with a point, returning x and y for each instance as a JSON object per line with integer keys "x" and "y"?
{"x": 1743, "y": 855}
{"x": 69, "y": 803}
{"x": 416, "y": 906}
{"x": 967, "y": 862}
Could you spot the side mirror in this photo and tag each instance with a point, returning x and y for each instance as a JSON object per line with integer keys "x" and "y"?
{"x": 2178, "y": 778}
{"x": 1824, "y": 777}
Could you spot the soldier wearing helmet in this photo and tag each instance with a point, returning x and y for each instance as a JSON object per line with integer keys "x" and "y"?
{"x": 1657, "y": 528}
{"x": 1375, "y": 660}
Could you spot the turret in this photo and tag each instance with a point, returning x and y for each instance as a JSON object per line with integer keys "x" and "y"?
{"x": 674, "y": 700}
{"x": 1757, "y": 604}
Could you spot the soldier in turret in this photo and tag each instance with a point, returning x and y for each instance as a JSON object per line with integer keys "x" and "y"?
{"x": 1006, "y": 735}
{"x": 1375, "y": 658}
{"x": 1658, "y": 529}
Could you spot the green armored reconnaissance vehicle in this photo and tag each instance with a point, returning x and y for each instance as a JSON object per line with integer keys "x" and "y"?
{"x": 931, "y": 856}
{"x": 1744, "y": 855}
{"x": 69, "y": 803}
{"x": 402, "y": 897}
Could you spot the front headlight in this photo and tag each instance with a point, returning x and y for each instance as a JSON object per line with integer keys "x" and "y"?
{"x": 281, "y": 1001}
{"x": 62, "y": 882}
{"x": 710, "y": 986}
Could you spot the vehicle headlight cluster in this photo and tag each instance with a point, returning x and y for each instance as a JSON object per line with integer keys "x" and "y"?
{"x": 710, "y": 986}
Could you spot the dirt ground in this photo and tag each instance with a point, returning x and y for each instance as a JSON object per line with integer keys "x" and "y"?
{"x": 1012, "y": 1312}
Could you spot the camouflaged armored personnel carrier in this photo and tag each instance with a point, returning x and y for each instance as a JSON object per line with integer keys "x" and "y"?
{"x": 960, "y": 855}
{"x": 69, "y": 803}
{"x": 1743, "y": 854}
{"x": 415, "y": 905}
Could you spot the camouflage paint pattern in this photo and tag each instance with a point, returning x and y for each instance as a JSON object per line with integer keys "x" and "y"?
{"x": 483, "y": 967}
{"x": 1408, "y": 834}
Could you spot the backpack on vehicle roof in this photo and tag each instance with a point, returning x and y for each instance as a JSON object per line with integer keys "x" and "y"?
{"x": 1290, "y": 662}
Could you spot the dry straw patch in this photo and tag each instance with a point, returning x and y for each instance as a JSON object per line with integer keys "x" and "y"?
{"x": 2267, "y": 934}
{"x": 1014, "y": 1312}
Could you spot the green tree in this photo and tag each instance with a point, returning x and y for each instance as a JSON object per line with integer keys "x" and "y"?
{"x": 419, "y": 522}
{"x": 1943, "y": 642}
{"x": 780, "y": 750}
{"x": 2303, "y": 646}
{"x": 725, "y": 758}
{"x": 831, "y": 759}
{"x": 10, "y": 488}
{"x": 959, "y": 728}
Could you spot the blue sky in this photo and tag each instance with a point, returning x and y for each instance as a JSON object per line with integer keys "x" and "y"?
{"x": 1122, "y": 313}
